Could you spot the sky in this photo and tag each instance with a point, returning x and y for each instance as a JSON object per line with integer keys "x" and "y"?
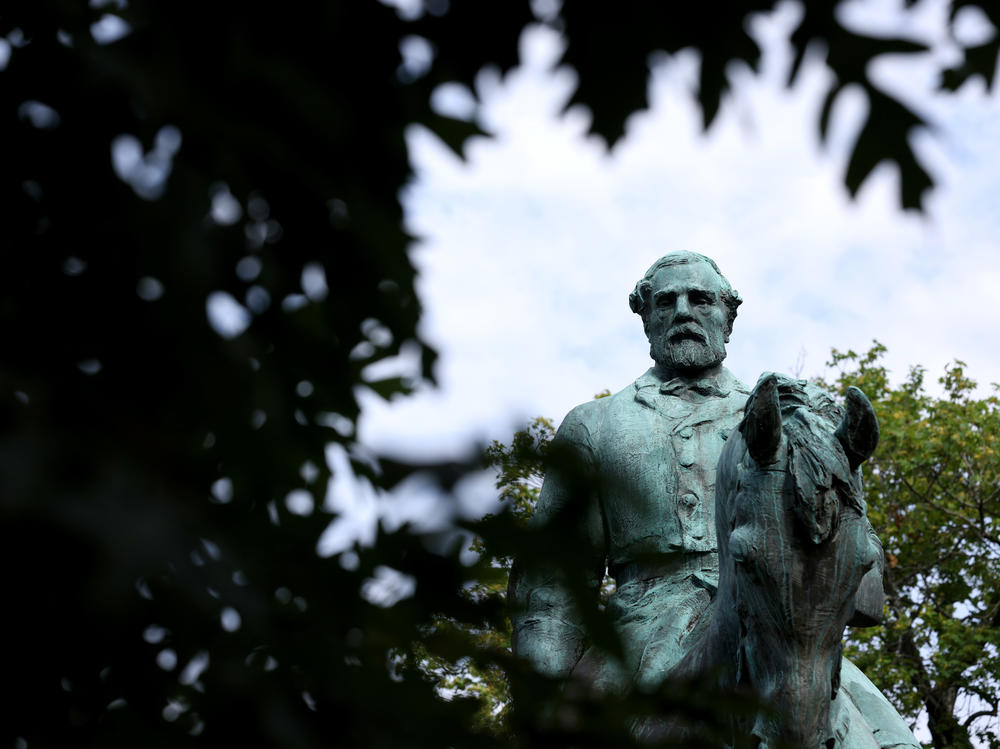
{"x": 528, "y": 248}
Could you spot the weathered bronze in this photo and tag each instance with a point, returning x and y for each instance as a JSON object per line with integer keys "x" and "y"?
{"x": 798, "y": 559}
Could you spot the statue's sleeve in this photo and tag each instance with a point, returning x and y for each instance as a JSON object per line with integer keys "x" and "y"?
{"x": 870, "y": 596}
{"x": 547, "y": 625}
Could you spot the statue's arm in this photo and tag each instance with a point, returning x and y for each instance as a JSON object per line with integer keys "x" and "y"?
{"x": 547, "y": 623}
{"x": 869, "y": 599}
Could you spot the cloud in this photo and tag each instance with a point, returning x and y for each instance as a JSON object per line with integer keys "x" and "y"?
{"x": 529, "y": 248}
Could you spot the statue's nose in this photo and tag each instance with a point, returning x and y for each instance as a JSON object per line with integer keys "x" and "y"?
{"x": 682, "y": 310}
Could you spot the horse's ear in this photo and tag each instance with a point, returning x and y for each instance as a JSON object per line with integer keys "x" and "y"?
{"x": 761, "y": 427}
{"x": 858, "y": 431}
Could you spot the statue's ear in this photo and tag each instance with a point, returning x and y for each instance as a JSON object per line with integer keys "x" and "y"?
{"x": 761, "y": 426}
{"x": 858, "y": 431}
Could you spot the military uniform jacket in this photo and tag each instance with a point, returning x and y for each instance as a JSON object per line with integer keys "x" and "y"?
{"x": 643, "y": 488}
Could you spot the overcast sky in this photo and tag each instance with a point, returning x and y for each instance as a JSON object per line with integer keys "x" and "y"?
{"x": 529, "y": 248}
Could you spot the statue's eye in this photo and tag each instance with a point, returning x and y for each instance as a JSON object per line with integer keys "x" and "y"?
{"x": 700, "y": 298}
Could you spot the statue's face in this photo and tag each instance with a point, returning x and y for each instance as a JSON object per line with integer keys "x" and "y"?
{"x": 687, "y": 318}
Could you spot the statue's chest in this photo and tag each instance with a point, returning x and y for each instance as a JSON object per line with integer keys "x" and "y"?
{"x": 657, "y": 470}
{"x": 645, "y": 446}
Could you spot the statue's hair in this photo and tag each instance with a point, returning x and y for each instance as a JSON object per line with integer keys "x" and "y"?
{"x": 638, "y": 300}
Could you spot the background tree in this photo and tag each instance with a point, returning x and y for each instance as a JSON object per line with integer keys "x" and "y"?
{"x": 520, "y": 470}
{"x": 204, "y": 253}
{"x": 933, "y": 490}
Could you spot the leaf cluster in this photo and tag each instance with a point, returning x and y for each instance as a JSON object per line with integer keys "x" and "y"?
{"x": 164, "y": 472}
{"x": 621, "y": 51}
{"x": 933, "y": 491}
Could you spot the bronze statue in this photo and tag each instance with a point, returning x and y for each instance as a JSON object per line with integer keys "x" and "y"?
{"x": 643, "y": 487}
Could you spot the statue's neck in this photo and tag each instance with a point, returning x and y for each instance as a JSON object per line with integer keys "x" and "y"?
{"x": 667, "y": 373}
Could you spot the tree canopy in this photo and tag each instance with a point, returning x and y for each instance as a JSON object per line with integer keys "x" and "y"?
{"x": 933, "y": 491}
{"x": 204, "y": 255}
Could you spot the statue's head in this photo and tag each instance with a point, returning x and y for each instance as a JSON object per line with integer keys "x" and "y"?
{"x": 687, "y": 308}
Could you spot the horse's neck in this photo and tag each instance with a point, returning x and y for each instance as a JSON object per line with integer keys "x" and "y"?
{"x": 715, "y": 649}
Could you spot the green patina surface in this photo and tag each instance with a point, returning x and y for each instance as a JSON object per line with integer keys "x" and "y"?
{"x": 636, "y": 485}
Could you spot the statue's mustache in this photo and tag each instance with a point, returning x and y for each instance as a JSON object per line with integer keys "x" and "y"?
{"x": 686, "y": 331}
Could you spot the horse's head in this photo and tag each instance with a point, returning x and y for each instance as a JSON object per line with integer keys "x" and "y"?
{"x": 793, "y": 546}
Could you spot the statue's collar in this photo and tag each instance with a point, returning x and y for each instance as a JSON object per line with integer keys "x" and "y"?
{"x": 716, "y": 386}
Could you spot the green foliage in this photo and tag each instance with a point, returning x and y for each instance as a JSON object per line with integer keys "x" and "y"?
{"x": 520, "y": 468}
{"x": 933, "y": 490}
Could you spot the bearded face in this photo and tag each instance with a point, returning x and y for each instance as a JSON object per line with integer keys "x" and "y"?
{"x": 687, "y": 325}
{"x": 689, "y": 350}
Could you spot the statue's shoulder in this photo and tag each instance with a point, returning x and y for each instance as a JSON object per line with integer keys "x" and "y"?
{"x": 600, "y": 409}
{"x": 583, "y": 422}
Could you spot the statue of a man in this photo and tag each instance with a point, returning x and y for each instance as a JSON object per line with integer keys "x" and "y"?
{"x": 640, "y": 486}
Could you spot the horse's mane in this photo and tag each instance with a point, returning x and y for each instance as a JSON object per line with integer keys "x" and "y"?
{"x": 817, "y": 465}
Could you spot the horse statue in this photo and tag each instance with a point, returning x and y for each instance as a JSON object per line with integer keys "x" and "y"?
{"x": 794, "y": 544}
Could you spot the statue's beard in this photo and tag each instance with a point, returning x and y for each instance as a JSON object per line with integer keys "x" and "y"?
{"x": 687, "y": 353}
